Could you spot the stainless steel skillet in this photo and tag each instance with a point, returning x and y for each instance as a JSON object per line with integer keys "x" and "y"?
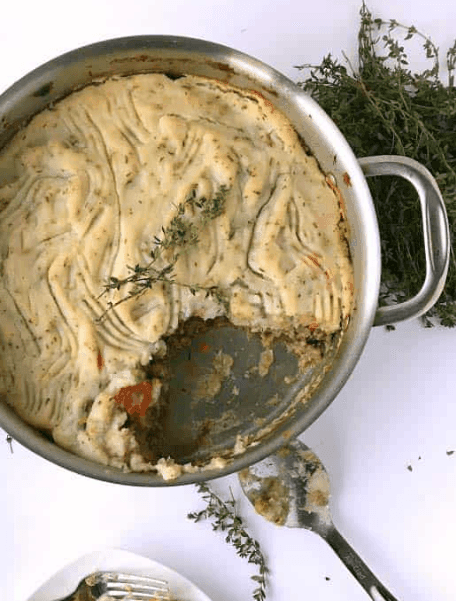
{"x": 202, "y": 430}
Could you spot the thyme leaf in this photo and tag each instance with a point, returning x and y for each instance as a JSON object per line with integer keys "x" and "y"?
{"x": 225, "y": 518}
{"x": 382, "y": 107}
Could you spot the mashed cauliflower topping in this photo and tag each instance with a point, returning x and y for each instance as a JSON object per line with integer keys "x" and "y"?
{"x": 86, "y": 189}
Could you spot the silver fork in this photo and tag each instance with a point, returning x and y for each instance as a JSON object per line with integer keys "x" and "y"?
{"x": 103, "y": 586}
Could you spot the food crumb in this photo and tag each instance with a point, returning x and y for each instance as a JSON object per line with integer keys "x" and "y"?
{"x": 211, "y": 383}
{"x": 410, "y": 468}
{"x": 449, "y": 452}
{"x": 347, "y": 180}
{"x": 327, "y": 578}
{"x": 266, "y": 360}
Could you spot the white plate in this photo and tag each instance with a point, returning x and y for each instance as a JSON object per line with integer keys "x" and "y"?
{"x": 66, "y": 580}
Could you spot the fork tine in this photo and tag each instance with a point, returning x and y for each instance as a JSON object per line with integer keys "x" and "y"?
{"x": 129, "y": 596}
{"x": 118, "y": 578}
{"x": 137, "y": 588}
{"x": 123, "y": 596}
{"x": 121, "y": 592}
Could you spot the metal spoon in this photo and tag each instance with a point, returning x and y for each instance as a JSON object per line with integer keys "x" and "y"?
{"x": 291, "y": 488}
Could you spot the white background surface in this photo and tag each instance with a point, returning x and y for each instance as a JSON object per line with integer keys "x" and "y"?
{"x": 397, "y": 409}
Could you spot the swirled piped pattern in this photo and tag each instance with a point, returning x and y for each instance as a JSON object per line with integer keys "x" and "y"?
{"x": 86, "y": 189}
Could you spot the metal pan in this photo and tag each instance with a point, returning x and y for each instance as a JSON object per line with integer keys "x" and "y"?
{"x": 268, "y": 426}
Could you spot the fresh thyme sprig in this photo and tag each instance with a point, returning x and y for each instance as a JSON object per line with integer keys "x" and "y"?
{"x": 225, "y": 518}
{"x": 192, "y": 216}
{"x": 382, "y": 107}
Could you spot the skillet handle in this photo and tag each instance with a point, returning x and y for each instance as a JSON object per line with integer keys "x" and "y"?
{"x": 435, "y": 230}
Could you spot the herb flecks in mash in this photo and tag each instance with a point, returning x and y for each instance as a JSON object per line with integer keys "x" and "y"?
{"x": 382, "y": 107}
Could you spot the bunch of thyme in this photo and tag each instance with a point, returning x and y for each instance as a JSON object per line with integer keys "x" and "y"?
{"x": 192, "y": 216}
{"x": 226, "y": 519}
{"x": 382, "y": 107}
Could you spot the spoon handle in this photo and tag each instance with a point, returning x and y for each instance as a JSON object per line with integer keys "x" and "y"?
{"x": 356, "y": 565}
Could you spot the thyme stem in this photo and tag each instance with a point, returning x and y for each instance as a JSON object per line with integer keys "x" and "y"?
{"x": 382, "y": 107}
{"x": 191, "y": 217}
{"x": 225, "y": 518}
